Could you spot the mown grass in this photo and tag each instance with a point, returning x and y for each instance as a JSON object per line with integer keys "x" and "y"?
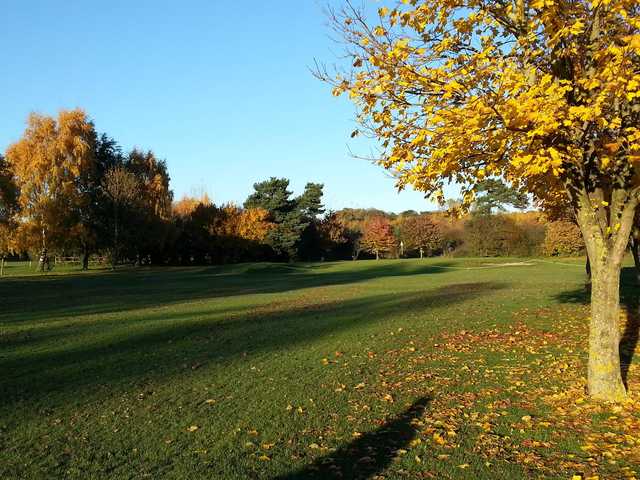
{"x": 393, "y": 369}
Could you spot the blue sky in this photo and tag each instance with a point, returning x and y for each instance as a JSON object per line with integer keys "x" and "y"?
{"x": 221, "y": 90}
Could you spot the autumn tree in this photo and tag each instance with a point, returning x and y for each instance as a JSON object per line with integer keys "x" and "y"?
{"x": 563, "y": 238}
{"x": 154, "y": 179}
{"x": 8, "y": 191}
{"x": 558, "y": 209}
{"x": 492, "y": 235}
{"x": 334, "y": 236}
{"x": 49, "y": 164}
{"x": 187, "y": 204}
{"x": 151, "y": 213}
{"x": 542, "y": 93}
{"x": 8, "y": 207}
{"x": 378, "y": 237}
{"x": 421, "y": 234}
{"x": 533, "y": 227}
{"x": 121, "y": 188}
{"x": 240, "y": 234}
{"x": 354, "y": 220}
{"x": 253, "y": 224}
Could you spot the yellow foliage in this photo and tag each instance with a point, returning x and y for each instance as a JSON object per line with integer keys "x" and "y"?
{"x": 522, "y": 90}
{"x": 186, "y": 205}
{"x": 249, "y": 224}
{"x": 48, "y": 162}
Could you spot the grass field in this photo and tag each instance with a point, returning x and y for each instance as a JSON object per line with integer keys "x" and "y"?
{"x": 443, "y": 368}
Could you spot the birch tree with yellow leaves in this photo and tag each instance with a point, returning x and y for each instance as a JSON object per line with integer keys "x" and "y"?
{"x": 49, "y": 164}
{"x": 544, "y": 94}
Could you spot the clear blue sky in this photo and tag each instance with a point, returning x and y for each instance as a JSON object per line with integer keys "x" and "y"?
{"x": 221, "y": 90}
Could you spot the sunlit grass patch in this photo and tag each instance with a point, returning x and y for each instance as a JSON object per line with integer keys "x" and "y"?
{"x": 395, "y": 369}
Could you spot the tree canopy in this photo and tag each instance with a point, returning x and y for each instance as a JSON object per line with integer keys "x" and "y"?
{"x": 8, "y": 191}
{"x": 420, "y": 233}
{"x": 542, "y": 93}
{"x": 291, "y": 217}
{"x": 50, "y": 163}
{"x": 378, "y": 237}
{"x": 493, "y": 194}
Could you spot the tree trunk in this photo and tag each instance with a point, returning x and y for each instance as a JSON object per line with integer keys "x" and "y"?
{"x": 606, "y": 246}
{"x": 2, "y": 266}
{"x": 114, "y": 259}
{"x": 605, "y": 378}
{"x": 421, "y": 253}
{"x": 44, "y": 254}
{"x": 85, "y": 257}
{"x": 377, "y": 255}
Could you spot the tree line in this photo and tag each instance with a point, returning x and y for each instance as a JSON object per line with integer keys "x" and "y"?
{"x": 67, "y": 190}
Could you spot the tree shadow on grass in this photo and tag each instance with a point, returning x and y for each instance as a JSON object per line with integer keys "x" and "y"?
{"x": 28, "y": 299}
{"x": 158, "y": 348}
{"x": 629, "y": 302}
{"x": 629, "y": 341}
{"x": 369, "y": 454}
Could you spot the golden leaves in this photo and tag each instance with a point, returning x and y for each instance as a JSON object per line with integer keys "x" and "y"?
{"x": 490, "y": 105}
{"x": 48, "y": 161}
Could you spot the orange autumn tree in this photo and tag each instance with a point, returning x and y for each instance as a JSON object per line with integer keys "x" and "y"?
{"x": 187, "y": 204}
{"x": 563, "y": 238}
{"x": 235, "y": 222}
{"x": 542, "y": 93}
{"x": 420, "y": 234}
{"x": 253, "y": 224}
{"x": 50, "y": 164}
{"x": 377, "y": 237}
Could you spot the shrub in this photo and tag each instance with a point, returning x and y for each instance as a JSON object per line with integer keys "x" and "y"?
{"x": 494, "y": 235}
{"x": 563, "y": 239}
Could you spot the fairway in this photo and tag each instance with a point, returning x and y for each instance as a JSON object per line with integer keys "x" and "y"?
{"x": 442, "y": 368}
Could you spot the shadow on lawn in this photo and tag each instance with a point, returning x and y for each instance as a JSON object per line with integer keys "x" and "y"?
{"x": 154, "y": 347}
{"x": 370, "y": 454}
{"x": 629, "y": 302}
{"x": 26, "y": 299}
